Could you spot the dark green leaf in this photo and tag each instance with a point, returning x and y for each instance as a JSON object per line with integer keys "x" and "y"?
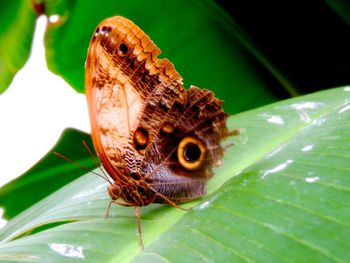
{"x": 203, "y": 42}
{"x": 342, "y": 8}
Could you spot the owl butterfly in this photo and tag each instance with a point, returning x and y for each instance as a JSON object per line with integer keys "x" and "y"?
{"x": 156, "y": 140}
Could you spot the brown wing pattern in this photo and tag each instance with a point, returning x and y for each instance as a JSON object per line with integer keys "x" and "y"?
{"x": 201, "y": 118}
{"x": 156, "y": 140}
{"x": 122, "y": 71}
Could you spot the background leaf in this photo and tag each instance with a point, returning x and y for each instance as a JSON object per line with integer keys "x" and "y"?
{"x": 16, "y": 33}
{"x": 342, "y": 8}
{"x": 282, "y": 195}
{"x": 202, "y": 41}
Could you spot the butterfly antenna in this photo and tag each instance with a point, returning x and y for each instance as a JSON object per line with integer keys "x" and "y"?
{"x": 77, "y": 164}
{"x": 98, "y": 164}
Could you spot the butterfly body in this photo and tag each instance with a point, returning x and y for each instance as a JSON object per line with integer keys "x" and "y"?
{"x": 157, "y": 140}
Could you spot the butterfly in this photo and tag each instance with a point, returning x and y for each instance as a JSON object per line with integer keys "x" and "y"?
{"x": 157, "y": 140}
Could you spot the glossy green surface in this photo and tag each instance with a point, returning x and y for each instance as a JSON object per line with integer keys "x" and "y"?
{"x": 282, "y": 196}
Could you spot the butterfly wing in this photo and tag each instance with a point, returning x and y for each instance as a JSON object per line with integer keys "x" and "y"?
{"x": 185, "y": 145}
{"x": 123, "y": 77}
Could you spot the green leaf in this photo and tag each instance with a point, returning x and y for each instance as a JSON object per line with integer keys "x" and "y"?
{"x": 206, "y": 46}
{"x": 282, "y": 195}
{"x": 16, "y": 33}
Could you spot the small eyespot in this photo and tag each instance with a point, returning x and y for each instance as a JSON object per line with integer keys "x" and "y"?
{"x": 167, "y": 128}
{"x": 97, "y": 31}
{"x": 108, "y": 31}
{"x": 123, "y": 50}
{"x": 140, "y": 138}
{"x": 104, "y": 28}
{"x": 191, "y": 152}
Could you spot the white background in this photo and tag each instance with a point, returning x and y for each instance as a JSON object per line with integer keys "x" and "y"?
{"x": 34, "y": 110}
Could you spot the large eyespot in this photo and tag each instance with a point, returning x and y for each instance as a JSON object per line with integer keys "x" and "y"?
{"x": 123, "y": 50}
{"x": 191, "y": 152}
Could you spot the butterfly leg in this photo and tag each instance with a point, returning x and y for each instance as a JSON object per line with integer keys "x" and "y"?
{"x": 114, "y": 202}
{"x": 138, "y": 217}
{"x": 108, "y": 208}
{"x": 234, "y": 132}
